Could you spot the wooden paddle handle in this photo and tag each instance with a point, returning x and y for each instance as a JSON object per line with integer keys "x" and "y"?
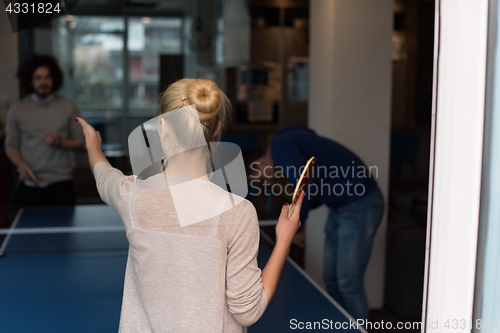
{"x": 290, "y": 210}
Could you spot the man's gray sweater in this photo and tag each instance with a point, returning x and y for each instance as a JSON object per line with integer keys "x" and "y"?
{"x": 26, "y": 123}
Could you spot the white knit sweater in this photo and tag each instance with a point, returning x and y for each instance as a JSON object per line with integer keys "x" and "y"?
{"x": 201, "y": 277}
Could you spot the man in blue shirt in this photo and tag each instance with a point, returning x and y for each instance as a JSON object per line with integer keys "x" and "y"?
{"x": 345, "y": 184}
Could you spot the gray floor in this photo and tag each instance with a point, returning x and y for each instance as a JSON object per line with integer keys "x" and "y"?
{"x": 377, "y": 316}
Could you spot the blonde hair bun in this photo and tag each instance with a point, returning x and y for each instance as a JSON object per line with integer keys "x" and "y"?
{"x": 206, "y": 96}
{"x": 211, "y": 103}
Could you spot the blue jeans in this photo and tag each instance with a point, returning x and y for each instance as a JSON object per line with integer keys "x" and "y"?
{"x": 349, "y": 236}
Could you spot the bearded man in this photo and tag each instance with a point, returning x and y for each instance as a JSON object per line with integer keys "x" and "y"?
{"x": 41, "y": 134}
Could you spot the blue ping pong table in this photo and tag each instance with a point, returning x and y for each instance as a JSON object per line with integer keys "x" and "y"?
{"x": 60, "y": 281}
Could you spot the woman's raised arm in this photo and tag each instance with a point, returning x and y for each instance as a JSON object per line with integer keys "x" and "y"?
{"x": 93, "y": 143}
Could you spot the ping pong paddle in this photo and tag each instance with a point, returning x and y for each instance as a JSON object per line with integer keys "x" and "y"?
{"x": 304, "y": 180}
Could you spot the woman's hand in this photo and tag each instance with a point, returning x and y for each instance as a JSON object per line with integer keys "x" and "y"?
{"x": 93, "y": 143}
{"x": 287, "y": 227}
{"x": 92, "y": 137}
{"x": 285, "y": 230}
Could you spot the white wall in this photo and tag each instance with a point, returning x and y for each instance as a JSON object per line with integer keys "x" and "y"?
{"x": 8, "y": 57}
{"x": 350, "y": 96}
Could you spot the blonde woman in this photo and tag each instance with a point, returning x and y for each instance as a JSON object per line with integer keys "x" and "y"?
{"x": 200, "y": 277}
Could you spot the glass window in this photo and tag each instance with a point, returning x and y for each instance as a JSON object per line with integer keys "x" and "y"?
{"x": 148, "y": 39}
{"x": 487, "y": 293}
{"x": 92, "y": 53}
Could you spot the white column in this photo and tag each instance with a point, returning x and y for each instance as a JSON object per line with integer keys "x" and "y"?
{"x": 456, "y": 163}
{"x": 350, "y": 102}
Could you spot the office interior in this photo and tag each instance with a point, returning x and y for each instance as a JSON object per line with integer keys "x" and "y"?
{"x": 358, "y": 71}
